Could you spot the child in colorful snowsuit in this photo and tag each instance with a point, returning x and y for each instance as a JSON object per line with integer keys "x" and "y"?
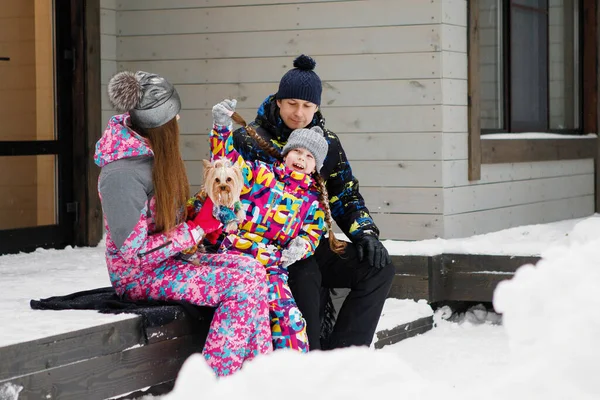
{"x": 143, "y": 189}
{"x": 286, "y": 212}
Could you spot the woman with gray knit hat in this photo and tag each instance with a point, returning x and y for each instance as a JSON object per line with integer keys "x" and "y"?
{"x": 287, "y": 211}
{"x": 366, "y": 267}
{"x": 143, "y": 188}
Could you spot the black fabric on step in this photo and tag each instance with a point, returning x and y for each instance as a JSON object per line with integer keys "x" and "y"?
{"x": 106, "y": 300}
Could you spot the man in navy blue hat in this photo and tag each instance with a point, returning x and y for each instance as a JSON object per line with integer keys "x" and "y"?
{"x": 364, "y": 268}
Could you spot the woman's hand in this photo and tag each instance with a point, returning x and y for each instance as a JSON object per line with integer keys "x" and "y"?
{"x": 205, "y": 219}
{"x": 223, "y": 111}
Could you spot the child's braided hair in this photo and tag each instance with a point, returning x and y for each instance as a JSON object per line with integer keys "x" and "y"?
{"x": 337, "y": 246}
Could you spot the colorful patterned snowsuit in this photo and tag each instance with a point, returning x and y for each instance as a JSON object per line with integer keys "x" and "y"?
{"x": 144, "y": 265}
{"x": 280, "y": 205}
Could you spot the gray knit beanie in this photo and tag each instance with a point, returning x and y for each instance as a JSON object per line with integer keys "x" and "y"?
{"x": 310, "y": 139}
{"x": 150, "y": 99}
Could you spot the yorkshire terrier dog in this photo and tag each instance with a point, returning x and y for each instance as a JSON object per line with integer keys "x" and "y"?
{"x": 223, "y": 183}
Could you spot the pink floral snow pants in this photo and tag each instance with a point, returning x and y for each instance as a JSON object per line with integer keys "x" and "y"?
{"x": 235, "y": 285}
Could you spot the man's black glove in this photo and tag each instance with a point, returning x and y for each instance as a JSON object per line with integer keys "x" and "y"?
{"x": 369, "y": 246}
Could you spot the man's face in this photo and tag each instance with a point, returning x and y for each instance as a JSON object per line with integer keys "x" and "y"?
{"x": 296, "y": 113}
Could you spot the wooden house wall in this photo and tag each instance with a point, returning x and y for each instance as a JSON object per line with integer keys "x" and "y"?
{"x": 395, "y": 90}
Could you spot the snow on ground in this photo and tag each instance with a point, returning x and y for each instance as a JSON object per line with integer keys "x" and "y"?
{"x": 527, "y": 240}
{"x": 545, "y": 348}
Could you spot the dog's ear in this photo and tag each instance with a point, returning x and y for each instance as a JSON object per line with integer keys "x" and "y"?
{"x": 207, "y": 164}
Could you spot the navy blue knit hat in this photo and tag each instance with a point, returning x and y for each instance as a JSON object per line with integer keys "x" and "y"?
{"x": 301, "y": 82}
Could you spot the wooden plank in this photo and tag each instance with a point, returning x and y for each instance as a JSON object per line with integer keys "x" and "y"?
{"x": 483, "y": 263}
{"x": 409, "y": 226}
{"x": 108, "y": 22}
{"x": 410, "y": 200}
{"x": 589, "y": 3}
{"x": 483, "y": 197}
{"x": 454, "y": 38}
{"x": 194, "y": 148}
{"x": 270, "y": 69}
{"x": 474, "y": 99}
{"x": 107, "y": 68}
{"x": 398, "y": 173}
{"x": 110, "y": 375}
{"x": 408, "y": 39}
{"x": 358, "y": 146}
{"x": 455, "y": 119}
{"x": 108, "y": 47}
{"x": 182, "y": 325}
{"x": 54, "y": 351}
{"x": 455, "y": 92}
{"x": 410, "y": 287}
{"x": 90, "y": 233}
{"x": 590, "y": 66}
{"x": 470, "y": 287}
{"x": 455, "y": 146}
{"x": 411, "y": 265}
{"x": 108, "y": 4}
{"x": 401, "y": 92}
{"x": 171, "y": 19}
{"x": 106, "y": 114}
{"x": 454, "y": 12}
{"x": 393, "y": 200}
{"x": 405, "y": 146}
{"x": 479, "y": 222}
{"x": 455, "y": 171}
{"x": 347, "y": 119}
{"x": 524, "y": 150}
{"x": 160, "y": 4}
{"x": 404, "y": 331}
{"x": 369, "y": 173}
{"x": 455, "y": 65}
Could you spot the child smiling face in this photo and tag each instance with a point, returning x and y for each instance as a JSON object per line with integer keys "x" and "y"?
{"x": 300, "y": 160}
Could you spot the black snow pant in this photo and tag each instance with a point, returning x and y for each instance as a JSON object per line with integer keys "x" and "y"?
{"x": 360, "y": 312}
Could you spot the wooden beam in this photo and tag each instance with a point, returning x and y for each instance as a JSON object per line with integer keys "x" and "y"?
{"x": 597, "y": 74}
{"x": 403, "y": 331}
{"x": 590, "y": 67}
{"x": 112, "y": 374}
{"x": 54, "y": 351}
{"x": 498, "y": 151}
{"x": 471, "y": 277}
{"x": 93, "y": 105}
{"x": 474, "y": 97}
{"x": 85, "y": 25}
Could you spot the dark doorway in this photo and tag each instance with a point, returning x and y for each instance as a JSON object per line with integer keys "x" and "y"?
{"x": 43, "y": 104}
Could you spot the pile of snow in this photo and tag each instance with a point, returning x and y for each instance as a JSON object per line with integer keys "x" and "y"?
{"x": 552, "y": 321}
{"x": 550, "y": 316}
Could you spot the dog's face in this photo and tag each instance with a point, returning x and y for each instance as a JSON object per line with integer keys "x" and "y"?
{"x": 223, "y": 181}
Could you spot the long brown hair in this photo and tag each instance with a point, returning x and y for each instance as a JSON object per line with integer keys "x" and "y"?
{"x": 171, "y": 187}
{"x": 337, "y": 246}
